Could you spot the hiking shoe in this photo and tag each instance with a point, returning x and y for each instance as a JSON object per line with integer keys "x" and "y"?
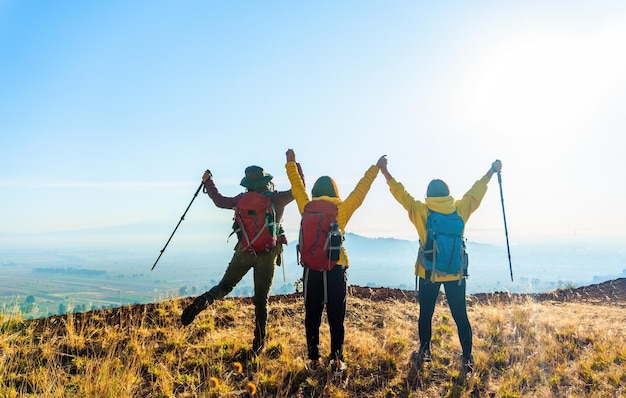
{"x": 198, "y": 305}
{"x": 338, "y": 366}
{"x": 420, "y": 357}
{"x": 468, "y": 364}
{"x": 313, "y": 365}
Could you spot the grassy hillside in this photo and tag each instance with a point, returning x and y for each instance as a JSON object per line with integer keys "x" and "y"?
{"x": 568, "y": 343}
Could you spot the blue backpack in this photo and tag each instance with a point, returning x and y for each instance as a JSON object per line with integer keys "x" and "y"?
{"x": 444, "y": 249}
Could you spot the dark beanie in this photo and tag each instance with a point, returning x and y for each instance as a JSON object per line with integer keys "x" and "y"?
{"x": 325, "y": 186}
{"x": 437, "y": 188}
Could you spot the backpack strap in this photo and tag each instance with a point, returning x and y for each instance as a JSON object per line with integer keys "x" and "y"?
{"x": 249, "y": 241}
{"x": 435, "y": 251}
{"x": 305, "y": 283}
{"x": 280, "y": 258}
{"x": 464, "y": 261}
{"x": 325, "y": 279}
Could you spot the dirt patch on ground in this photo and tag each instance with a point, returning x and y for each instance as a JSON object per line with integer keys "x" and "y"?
{"x": 612, "y": 292}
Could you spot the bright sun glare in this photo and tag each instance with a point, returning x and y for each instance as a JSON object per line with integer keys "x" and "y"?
{"x": 546, "y": 86}
{"x": 545, "y": 101}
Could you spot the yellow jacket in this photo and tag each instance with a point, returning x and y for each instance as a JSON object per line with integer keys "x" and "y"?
{"x": 345, "y": 207}
{"x": 418, "y": 212}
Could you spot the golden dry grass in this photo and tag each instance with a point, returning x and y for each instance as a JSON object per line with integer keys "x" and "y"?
{"x": 523, "y": 348}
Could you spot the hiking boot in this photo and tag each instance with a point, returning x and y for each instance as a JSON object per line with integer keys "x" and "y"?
{"x": 338, "y": 367}
{"x": 198, "y": 305}
{"x": 468, "y": 364}
{"x": 313, "y": 365}
{"x": 420, "y": 357}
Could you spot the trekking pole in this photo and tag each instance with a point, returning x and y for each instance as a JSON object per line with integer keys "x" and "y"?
{"x": 506, "y": 232}
{"x": 181, "y": 220}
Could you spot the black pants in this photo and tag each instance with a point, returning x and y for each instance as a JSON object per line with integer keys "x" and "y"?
{"x": 315, "y": 290}
{"x": 455, "y": 294}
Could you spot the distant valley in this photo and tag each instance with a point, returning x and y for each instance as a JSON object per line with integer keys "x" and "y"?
{"x": 53, "y": 278}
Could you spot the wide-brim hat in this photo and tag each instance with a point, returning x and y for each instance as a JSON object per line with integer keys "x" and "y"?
{"x": 255, "y": 178}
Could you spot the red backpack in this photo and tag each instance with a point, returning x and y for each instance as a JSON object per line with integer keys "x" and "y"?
{"x": 320, "y": 238}
{"x": 255, "y": 222}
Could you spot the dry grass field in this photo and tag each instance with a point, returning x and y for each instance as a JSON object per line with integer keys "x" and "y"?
{"x": 569, "y": 343}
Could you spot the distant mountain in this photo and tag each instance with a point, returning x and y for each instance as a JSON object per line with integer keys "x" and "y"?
{"x": 197, "y": 256}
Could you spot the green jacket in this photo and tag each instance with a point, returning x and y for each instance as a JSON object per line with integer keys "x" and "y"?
{"x": 345, "y": 207}
{"x": 418, "y": 212}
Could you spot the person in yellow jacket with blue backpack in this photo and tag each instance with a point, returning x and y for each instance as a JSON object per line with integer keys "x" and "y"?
{"x": 329, "y": 286}
{"x": 438, "y": 200}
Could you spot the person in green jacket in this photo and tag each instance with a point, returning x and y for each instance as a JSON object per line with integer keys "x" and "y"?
{"x": 438, "y": 199}
{"x": 327, "y": 287}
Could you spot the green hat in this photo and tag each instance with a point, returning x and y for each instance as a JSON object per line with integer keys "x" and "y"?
{"x": 325, "y": 186}
{"x": 255, "y": 178}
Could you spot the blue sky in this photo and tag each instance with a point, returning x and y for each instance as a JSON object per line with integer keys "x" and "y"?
{"x": 110, "y": 111}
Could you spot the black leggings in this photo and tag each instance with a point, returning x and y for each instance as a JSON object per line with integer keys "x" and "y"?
{"x": 455, "y": 294}
{"x": 314, "y": 294}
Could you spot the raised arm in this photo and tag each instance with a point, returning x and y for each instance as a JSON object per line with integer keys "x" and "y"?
{"x": 221, "y": 201}
{"x": 382, "y": 165}
{"x": 496, "y": 167}
{"x": 358, "y": 194}
{"x": 471, "y": 199}
{"x": 296, "y": 179}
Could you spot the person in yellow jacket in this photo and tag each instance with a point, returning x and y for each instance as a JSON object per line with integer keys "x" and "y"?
{"x": 438, "y": 199}
{"x": 327, "y": 287}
